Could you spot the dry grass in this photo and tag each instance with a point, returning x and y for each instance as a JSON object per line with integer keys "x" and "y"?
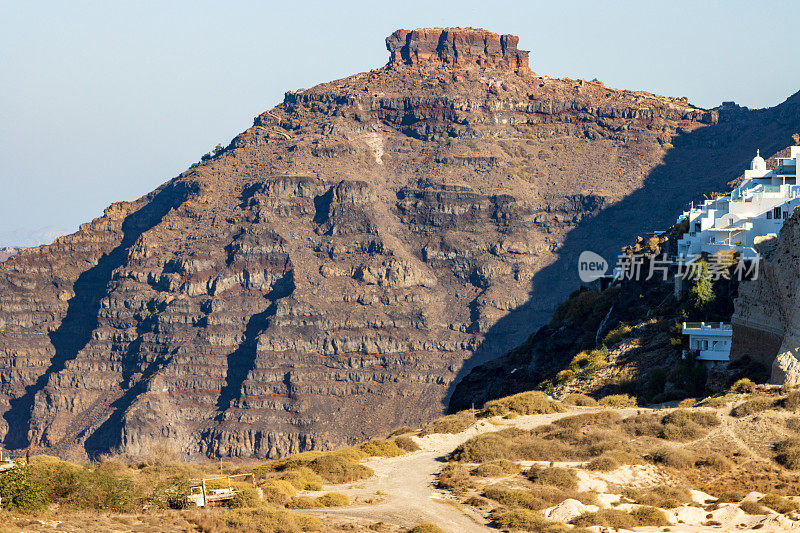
{"x": 426, "y": 527}
{"x": 792, "y": 401}
{"x": 752, "y": 508}
{"x": 563, "y": 478}
{"x": 611, "y": 460}
{"x": 617, "y": 401}
{"x": 743, "y": 386}
{"x": 455, "y": 423}
{"x": 382, "y": 448}
{"x": 789, "y": 453}
{"x": 684, "y": 425}
{"x": 659, "y": 496}
{"x": 455, "y": 478}
{"x": 672, "y": 456}
{"x": 303, "y": 478}
{"x": 753, "y": 406}
{"x": 576, "y": 398}
{"x": 496, "y": 468}
{"x": 779, "y": 504}
{"x": 515, "y": 498}
{"x": 524, "y": 403}
{"x": 607, "y": 518}
{"x": 406, "y": 443}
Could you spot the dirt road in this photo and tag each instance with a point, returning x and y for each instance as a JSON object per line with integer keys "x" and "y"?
{"x": 406, "y": 485}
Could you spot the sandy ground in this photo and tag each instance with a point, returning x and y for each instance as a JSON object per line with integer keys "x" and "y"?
{"x": 403, "y": 491}
{"x": 406, "y": 485}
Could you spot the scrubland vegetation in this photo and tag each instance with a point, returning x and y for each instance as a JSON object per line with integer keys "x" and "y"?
{"x": 510, "y": 474}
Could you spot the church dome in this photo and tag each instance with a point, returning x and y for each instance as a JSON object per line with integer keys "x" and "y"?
{"x": 758, "y": 162}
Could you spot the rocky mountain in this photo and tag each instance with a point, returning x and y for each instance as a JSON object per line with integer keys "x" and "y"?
{"x": 343, "y": 262}
{"x": 8, "y": 251}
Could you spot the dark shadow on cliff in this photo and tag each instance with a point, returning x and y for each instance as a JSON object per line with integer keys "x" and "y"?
{"x": 242, "y": 360}
{"x": 701, "y": 162}
{"x": 81, "y": 318}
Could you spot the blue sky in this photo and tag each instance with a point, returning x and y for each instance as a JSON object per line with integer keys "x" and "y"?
{"x": 103, "y": 101}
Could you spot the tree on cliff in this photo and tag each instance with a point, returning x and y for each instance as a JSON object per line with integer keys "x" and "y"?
{"x": 701, "y": 295}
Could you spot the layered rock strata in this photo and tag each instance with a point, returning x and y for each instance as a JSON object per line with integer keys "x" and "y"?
{"x": 332, "y": 272}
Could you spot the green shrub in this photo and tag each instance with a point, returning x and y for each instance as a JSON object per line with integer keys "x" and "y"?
{"x": 406, "y": 443}
{"x": 524, "y": 403}
{"x": 743, "y": 386}
{"x": 688, "y": 402}
{"x": 576, "y": 398}
{"x": 496, "y": 468}
{"x": 426, "y": 527}
{"x": 101, "y": 488}
{"x": 618, "y": 401}
{"x": 564, "y": 478}
{"x": 382, "y": 448}
{"x": 334, "y": 499}
{"x": 750, "y": 407}
{"x": 20, "y": 491}
{"x": 779, "y": 504}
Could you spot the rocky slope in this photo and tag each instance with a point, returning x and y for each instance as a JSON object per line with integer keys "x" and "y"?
{"x": 343, "y": 261}
{"x": 8, "y": 251}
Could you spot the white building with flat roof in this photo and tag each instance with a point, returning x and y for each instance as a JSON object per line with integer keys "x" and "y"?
{"x": 755, "y": 208}
{"x": 710, "y": 341}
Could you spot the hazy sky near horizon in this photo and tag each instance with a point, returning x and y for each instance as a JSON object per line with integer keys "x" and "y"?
{"x": 103, "y": 101}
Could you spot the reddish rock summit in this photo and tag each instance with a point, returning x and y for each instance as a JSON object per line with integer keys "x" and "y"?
{"x": 456, "y": 46}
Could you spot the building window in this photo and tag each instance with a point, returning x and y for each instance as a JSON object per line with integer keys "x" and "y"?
{"x": 777, "y": 213}
{"x": 785, "y": 215}
{"x": 769, "y": 215}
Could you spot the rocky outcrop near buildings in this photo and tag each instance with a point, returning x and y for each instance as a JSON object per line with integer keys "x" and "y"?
{"x": 343, "y": 262}
{"x": 766, "y": 320}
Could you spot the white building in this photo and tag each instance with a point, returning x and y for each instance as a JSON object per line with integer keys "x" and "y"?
{"x": 755, "y": 208}
{"x": 711, "y": 341}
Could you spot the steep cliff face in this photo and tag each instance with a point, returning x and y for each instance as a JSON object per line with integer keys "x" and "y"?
{"x": 329, "y": 275}
{"x": 766, "y": 320}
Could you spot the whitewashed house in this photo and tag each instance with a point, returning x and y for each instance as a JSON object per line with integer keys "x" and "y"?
{"x": 754, "y": 209}
{"x": 710, "y": 341}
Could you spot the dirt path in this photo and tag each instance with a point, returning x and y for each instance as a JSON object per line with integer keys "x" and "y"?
{"x": 406, "y": 485}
